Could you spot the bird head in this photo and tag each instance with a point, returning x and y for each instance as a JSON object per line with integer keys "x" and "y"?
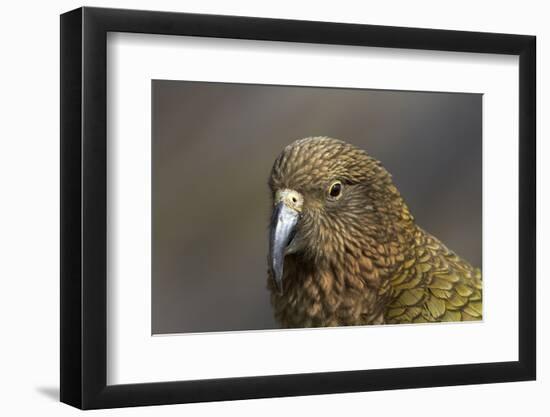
{"x": 330, "y": 200}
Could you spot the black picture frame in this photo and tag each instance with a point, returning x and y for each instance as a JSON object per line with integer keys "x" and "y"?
{"x": 84, "y": 207}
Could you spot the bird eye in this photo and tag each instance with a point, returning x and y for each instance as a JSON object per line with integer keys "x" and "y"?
{"x": 335, "y": 189}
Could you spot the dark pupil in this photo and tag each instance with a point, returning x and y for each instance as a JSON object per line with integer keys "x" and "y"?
{"x": 335, "y": 190}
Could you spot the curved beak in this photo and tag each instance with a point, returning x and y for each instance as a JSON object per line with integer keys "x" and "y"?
{"x": 282, "y": 231}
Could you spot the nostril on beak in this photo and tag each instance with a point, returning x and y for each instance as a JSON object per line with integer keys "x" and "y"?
{"x": 292, "y": 198}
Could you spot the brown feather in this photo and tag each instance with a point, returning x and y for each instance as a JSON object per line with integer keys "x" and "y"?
{"x": 363, "y": 258}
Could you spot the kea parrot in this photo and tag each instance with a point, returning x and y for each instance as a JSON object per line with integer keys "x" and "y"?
{"x": 344, "y": 248}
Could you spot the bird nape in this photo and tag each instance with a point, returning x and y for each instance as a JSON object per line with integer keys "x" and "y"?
{"x": 345, "y": 250}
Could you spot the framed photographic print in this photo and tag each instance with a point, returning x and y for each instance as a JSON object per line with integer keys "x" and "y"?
{"x": 257, "y": 208}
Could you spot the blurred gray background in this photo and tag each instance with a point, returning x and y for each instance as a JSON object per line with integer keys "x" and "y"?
{"x": 213, "y": 147}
